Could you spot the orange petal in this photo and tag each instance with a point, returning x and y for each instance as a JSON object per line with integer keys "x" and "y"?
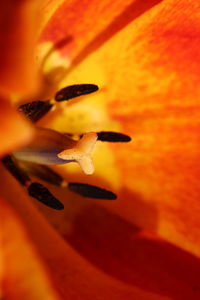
{"x": 24, "y": 276}
{"x": 91, "y": 24}
{"x": 155, "y": 99}
{"x": 108, "y": 257}
{"x": 149, "y": 77}
{"x": 14, "y": 130}
{"x": 19, "y": 21}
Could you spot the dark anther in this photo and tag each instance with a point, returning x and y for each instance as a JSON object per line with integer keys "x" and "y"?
{"x": 16, "y": 171}
{"x": 35, "y": 110}
{"x": 76, "y": 90}
{"x": 110, "y": 136}
{"x": 42, "y": 194}
{"x": 91, "y": 191}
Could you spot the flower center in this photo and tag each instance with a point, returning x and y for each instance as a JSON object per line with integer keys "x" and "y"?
{"x": 51, "y": 147}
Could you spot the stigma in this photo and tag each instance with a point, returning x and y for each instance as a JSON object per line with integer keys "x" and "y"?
{"x": 49, "y": 147}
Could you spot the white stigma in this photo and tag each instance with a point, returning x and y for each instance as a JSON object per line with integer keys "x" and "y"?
{"x": 82, "y": 152}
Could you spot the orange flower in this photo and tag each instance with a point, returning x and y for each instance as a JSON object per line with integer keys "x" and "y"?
{"x": 144, "y": 56}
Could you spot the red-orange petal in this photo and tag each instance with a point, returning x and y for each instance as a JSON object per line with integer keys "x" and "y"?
{"x": 90, "y": 24}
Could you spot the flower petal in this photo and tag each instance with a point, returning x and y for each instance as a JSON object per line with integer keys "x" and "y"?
{"x": 24, "y": 276}
{"x": 107, "y": 256}
{"x": 18, "y": 23}
{"x": 85, "y": 33}
{"x": 149, "y": 77}
{"x": 157, "y": 102}
{"x": 78, "y": 278}
{"x": 15, "y": 131}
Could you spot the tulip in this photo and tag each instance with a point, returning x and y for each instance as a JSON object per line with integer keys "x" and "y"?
{"x": 145, "y": 245}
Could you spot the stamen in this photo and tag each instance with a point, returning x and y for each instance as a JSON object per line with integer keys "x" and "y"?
{"x": 91, "y": 191}
{"x": 76, "y": 90}
{"x": 110, "y": 136}
{"x": 44, "y": 173}
{"x": 42, "y": 194}
{"x": 17, "y": 172}
{"x": 35, "y": 189}
{"x": 51, "y": 147}
{"x": 35, "y": 110}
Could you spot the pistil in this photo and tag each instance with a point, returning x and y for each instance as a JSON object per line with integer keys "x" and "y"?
{"x": 49, "y": 147}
